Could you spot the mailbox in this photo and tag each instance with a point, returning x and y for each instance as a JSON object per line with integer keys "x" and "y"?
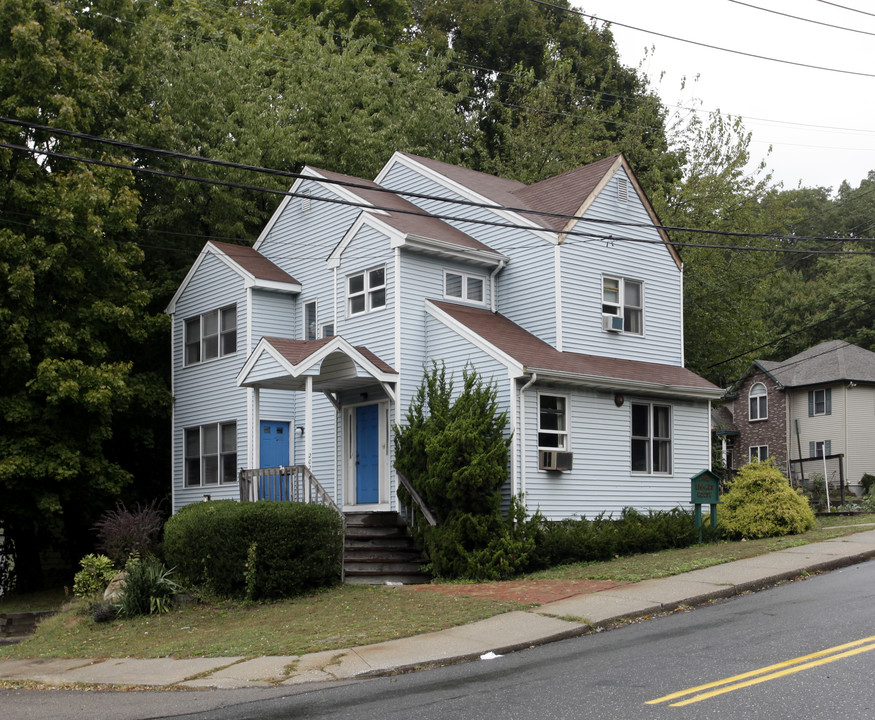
{"x": 705, "y": 490}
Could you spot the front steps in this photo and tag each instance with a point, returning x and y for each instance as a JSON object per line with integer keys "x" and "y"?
{"x": 378, "y": 550}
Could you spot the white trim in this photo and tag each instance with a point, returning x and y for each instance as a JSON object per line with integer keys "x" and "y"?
{"x": 366, "y": 291}
{"x": 467, "y": 193}
{"x": 304, "y": 329}
{"x": 566, "y": 412}
{"x": 557, "y": 292}
{"x": 337, "y": 343}
{"x": 490, "y": 258}
{"x": 174, "y": 445}
{"x": 632, "y": 386}
{"x": 249, "y": 280}
{"x": 465, "y": 276}
{"x": 397, "y": 311}
{"x": 365, "y": 218}
{"x": 522, "y": 427}
{"x": 474, "y": 339}
{"x": 348, "y": 428}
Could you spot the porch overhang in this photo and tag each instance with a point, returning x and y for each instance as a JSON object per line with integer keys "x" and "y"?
{"x": 329, "y": 365}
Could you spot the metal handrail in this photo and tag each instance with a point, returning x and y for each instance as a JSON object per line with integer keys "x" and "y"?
{"x": 423, "y": 508}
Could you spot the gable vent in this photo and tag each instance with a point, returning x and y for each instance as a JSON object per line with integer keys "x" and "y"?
{"x": 622, "y": 193}
{"x": 305, "y": 202}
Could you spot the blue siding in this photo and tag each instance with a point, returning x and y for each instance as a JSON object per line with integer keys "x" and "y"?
{"x": 207, "y": 392}
{"x": 585, "y": 261}
{"x": 600, "y": 438}
{"x": 525, "y": 291}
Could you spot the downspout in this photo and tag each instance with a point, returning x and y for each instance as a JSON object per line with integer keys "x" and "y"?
{"x": 557, "y": 278}
{"x": 498, "y": 269}
{"x": 522, "y": 431}
{"x": 683, "y": 352}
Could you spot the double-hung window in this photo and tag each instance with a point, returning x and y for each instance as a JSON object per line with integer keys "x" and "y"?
{"x": 820, "y": 402}
{"x": 622, "y": 298}
{"x": 819, "y": 448}
{"x": 211, "y": 335}
{"x": 211, "y": 454}
{"x": 651, "y": 439}
{"x": 553, "y": 422}
{"x": 366, "y": 291}
{"x": 758, "y": 452}
{"x": 759, "y": 402}
{"x": 464, "y": 286}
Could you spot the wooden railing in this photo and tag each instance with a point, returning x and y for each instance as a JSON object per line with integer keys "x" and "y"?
{"x": 416, "y": 507}
{"x": 293, "y": 483}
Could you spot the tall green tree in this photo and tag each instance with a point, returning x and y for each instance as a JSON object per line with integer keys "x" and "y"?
{"x": 73, "y": 303}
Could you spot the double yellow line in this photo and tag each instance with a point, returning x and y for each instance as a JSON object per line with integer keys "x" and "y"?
{"x": 771, "y": 672}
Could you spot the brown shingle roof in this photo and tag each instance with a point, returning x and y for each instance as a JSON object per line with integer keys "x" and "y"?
{"x": 296, "y": 351}
{"x": 254, "y": 262}
{"x": 404, "y": 216}
{"x": 536, "y": 355}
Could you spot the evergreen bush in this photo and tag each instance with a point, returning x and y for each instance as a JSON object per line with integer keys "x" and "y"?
{"x": 261, "y": 550}
{"x": 455, "y": 453}
{"x": 760, "y": 503}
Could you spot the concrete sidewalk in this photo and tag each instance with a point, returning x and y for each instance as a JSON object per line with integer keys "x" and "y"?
{"x": 500, "y": 634}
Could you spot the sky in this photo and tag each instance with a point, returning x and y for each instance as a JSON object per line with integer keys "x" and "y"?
{"x": 820, "y": 124}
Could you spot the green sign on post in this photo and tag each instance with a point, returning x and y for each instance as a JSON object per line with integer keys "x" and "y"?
{"x": 705, "y": 490}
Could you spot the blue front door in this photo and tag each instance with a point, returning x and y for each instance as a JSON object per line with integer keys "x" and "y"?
{"x": 274, "y": 452}
{"x": 367, "y": 455}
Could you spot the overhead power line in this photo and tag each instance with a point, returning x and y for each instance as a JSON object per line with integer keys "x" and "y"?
{"x": 845, "y": 7}
{"x": 808, "y": 20}
{"x": 705, "y": 45}
{"x": 379, "y": 189}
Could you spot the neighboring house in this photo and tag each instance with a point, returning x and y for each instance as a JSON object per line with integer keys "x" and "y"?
{"x": 307, "y": 348}
{"x": 815, "y": 405}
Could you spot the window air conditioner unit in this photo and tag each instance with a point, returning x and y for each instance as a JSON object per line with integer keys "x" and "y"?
{"x": 612, "y": 323}
{"x": 553, "y": 460}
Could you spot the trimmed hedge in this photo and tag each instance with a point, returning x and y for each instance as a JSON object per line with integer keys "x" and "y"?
{"x": 604, "y": 537}
{"x": 262, "y": 550}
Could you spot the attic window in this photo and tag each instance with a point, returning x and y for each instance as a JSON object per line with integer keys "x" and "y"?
{"x": 622, "y": 192}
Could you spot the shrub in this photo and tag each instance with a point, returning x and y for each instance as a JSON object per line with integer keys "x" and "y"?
{"x": 260, "y": 550}
{"x": 96, "y": 572}
{"x": 455, "y": 454}
{"x": 761, "y": 504}
{"x": 147, "y": 589}
{"x": 868, "y": 483}
{"x": 582, "y": 540}
{"x": 102, "y": 611}
{"x": 123, "y": 533}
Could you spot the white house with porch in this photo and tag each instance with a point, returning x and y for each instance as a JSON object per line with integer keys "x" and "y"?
{"x": 305, "y": 350}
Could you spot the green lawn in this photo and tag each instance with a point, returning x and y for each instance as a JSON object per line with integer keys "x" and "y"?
{"x": 349, "y": 615}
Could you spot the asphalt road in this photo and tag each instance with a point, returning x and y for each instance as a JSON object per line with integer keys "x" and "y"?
{"x": 801, "y": 650}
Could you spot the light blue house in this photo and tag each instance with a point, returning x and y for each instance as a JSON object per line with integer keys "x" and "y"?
{"x": 307, "y": 348}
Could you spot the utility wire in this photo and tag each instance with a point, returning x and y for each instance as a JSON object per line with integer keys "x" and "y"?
{"x": 808, "y": 20}
{"x": 845, "y": 7}
{"x": 370, "y": 188}
{"x": 706, "y": 45}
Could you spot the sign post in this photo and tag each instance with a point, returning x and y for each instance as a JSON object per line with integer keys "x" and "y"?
{"x": 705, "y": 490}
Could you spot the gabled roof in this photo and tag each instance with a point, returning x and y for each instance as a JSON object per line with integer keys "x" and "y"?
{"x": 567, "y": 195}
{"x": 255, "y": 270}
{"x": 829, "y": 362}
{"x": 332, "y": 363}
{"x": 403, "y": 216}
{"x": 532, "y": 355}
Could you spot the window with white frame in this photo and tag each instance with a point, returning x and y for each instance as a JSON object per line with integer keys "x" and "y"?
{"x": 651, "y": 439}
{"x": 553, "y": 422}
{"x": 820, "y": 402}
{"x": 758, "y": 402}
{"x": 366, "y": 291}
{"x": 326, "y": 330}
{"x": 211, "y": 335}
{"x": 758, "y": 452}
{"x": 624, "y": 298}
{"x": 464, "y": 286}
{"x": 211, "y": 454}
{"x": 310, "y": 320}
